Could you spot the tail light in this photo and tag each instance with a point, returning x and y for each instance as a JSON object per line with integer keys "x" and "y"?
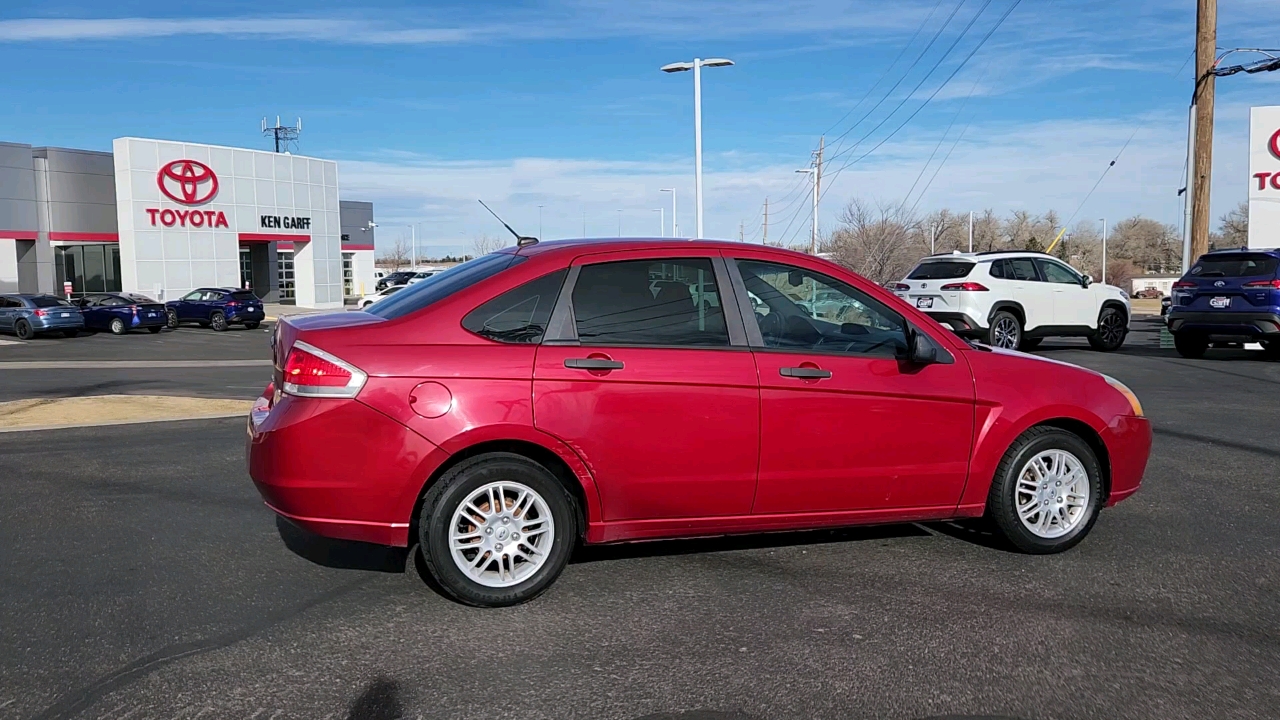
{"x": 901, "y": 287}
{"x": 41, "y": 313}
{"x": 232, "y": 304}
{"x": 1263, "y": 284}
{"x": 1183, "y": 285}
{"x": 965, "y": 287}
{"x": 312, "y": 372}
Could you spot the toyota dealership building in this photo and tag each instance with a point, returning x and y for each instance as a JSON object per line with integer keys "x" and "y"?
{"x": 161, "y": 218}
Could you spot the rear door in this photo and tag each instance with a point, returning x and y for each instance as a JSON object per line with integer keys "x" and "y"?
{"x": 1028, "y": 289}
{"x": 648, "y": 378}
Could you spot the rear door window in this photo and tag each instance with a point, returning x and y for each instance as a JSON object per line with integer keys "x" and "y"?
{"x": 1242, "y": 265}
{"x": 940, "y": 270}
{"x": 443, "y": 284}
{"x": 1019, "y": 269}
{"x": 650, "y": 302}
{"x": 519, "y": 315}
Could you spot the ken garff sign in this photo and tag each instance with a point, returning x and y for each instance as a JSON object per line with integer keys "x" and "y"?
{"x": 189, "y": 182}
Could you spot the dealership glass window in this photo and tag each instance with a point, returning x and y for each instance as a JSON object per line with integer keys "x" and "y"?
{"x": 285, "y": 273}
{"x": 348, "y": 274}
{"x": 89, "y": 268}
{"x": 246, "y": 268}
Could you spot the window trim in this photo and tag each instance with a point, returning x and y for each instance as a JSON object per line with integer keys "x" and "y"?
{"x": 562, "y": 328}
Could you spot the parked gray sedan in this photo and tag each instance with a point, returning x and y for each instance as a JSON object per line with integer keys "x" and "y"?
{"x": 26, "y": 315}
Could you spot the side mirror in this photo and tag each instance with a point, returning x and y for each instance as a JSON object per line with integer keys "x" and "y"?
{"x": 920, "y": 351}
{"x": 1086, "y": 281}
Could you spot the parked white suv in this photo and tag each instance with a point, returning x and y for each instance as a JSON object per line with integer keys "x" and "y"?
{"x": 1014, "y": 299}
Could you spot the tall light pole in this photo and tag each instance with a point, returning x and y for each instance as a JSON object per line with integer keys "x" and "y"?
{"x": 662, "y": 221}
{"x": 970, "y": 231}
{"x": 619, "y": 222}
{"x": 696, "y": 66}
{"x": 539, "y": 222}
{"x": 675, "y": 219}
{"x": 1104, "y": 251}
{"x": 813, "y": 232}
{"x": 414, "y": 230}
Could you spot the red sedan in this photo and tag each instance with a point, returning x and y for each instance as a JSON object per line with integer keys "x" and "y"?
{"x": 502, "y": 411}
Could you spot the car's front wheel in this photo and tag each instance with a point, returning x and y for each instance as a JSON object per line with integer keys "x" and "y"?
{"x": 1190, "y": 345}
{"x": 1111, "y": 331}
{"x": 497, "y": 529}
{"x": 1046, "y": 491}
{"x": 1005, "y": 331}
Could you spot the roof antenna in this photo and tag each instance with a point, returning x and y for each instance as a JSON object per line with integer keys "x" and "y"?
{"x": 521, "y": 240}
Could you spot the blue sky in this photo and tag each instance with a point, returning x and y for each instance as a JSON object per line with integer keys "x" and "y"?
{"x": 429, "y": 106}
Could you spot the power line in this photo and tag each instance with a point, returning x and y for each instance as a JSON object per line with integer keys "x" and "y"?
{"x": 1089, "y": 194}
{"x": 945, "y": 134}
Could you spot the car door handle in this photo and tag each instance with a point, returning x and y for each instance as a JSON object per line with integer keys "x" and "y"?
{"x": 592, "y": 364}
{"x": 804, "y": 372}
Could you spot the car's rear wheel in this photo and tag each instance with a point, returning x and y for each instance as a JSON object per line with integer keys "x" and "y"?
{"x": 23, "y": 330}
{"x": 118, "y": 327}
{"x": 1190, "y": 345}
{"x": 496, "y": 530}
{"x": 252, "y": 324}
{"x": 218, "y": 321}
{"x": 1005, "y": 331}
{"x": 1111, "y": 332}
{"x": 1046, "y": 491}
{"x": 171, "y": 319}
{"x": 154, "y": 330}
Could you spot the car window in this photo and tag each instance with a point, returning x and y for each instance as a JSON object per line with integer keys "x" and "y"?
{"x": 650, "y": 302}
{"x": 194, "y": 295}
{"x": 811, "y": 311}
{"x": 108, "y": 301}
{"x": 243, "y": 296}
{"x": 941, "y": 270}
{"x": 1057, "y": 273}
{"x": 443, "y": 284}
{"x": 518, "y": 315}
{"x": 392, "y": 289}
{"x": 44, "y": 301}
{"x": 1018, "y": 269}
{"x": 1241, "y": 265}
{"x": 6, "y": 302}
{"x": 215, "y": 295}
{"x": 135, "y": 297}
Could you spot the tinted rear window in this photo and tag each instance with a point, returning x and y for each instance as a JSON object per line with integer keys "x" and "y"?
{"x": 243, "y": 296}
{"x": 443, "y": 284}
{"x": 48, "y": 301}
{"x": 1242, "y": 265}
{"x": 940, "y": 270}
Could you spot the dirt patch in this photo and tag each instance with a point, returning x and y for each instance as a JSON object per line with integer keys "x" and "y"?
{"x": 1145, "y": 306}
{"x": 52, "y": 413}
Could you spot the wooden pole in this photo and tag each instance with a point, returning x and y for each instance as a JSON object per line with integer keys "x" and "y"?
{"x": 1206, "y": 50}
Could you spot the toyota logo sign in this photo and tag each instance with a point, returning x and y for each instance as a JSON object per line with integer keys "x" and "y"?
{"x": 189, "y": 182}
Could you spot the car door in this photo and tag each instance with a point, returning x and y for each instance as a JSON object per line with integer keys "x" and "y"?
{"x": 1028, "y": 290}
{"x": 88, "y": 306}
{"x": 188, "y": 304}
{"x": 1073, "y": 304}
{"x": 845, "y": 423}
{"x": 655, "y": 391}
{"x": 7, "y": 306}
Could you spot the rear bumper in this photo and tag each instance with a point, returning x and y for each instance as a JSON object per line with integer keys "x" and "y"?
{"x": 243, "y": 317}
{"x": 41, "y": 324}
{"x": 1128, "y": 441}
{"x": 339, "y": 468}
{"x": 1225, "y": 323}
{"x": 960, "y": 323}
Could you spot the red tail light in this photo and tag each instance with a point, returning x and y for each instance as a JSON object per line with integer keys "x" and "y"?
{"x": 40, "y": 313}
{"x": 1183, "y": 285}
{"x": 1263, "y": 284}
{"x": 901, "y": 287}
{"x": 965, "y": 287}
{"x": 232, "y": 304}
{"x": 312, "y": 372}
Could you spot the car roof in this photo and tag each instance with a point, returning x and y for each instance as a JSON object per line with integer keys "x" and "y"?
{"x": 986, "y": 255}
{"x": 615, "y": 244}
{"x": 1227, "y": 251}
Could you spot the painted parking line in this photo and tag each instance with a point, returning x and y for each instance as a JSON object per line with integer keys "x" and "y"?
{"x": 127, "y": 364}
{"x": 11, "y": 342}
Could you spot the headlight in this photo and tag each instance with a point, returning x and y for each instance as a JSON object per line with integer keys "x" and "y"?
{"x": 1127, "y": 393}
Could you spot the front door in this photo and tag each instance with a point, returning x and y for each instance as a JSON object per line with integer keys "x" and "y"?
{"x": 189, "y": 308}
{"x": 1072, "y": 302}
{"x": 845, "y": 424}
{"x": 649, "y": 389}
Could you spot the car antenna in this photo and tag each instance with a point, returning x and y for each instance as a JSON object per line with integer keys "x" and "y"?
{"x": 521, "y": 240}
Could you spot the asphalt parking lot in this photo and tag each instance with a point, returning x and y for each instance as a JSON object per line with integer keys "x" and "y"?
{"x": 142, "y": 578}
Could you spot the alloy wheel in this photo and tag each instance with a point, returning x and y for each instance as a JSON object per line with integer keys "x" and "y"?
{"x": 1111, "y": 329}
{"x": 1052, "y": 494}
{"x": 501, "y": 534}
{"x": 1006, "y": 333}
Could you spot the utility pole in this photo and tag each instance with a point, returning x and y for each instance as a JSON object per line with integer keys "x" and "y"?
{"x": 813, "y": 232}
{"x": 970, "y": 231}
{"x": 817, "y": 193}
{"x": 1202, "y": 99}
{"x": 766, "y": 222}
{"x": 933, "y": 239}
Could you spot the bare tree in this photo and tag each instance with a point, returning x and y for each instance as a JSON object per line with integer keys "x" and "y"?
{"x": 485, "y": 244}
{"x": 397, "y": 257}
{"x": 1235, "y": 227}
{"x": 880, "y": 243}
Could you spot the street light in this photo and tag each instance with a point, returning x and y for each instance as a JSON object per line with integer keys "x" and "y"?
{"x": 1104, "y": 251}
{"x": 662, "y": 221}
{"x": 696, "y": 66}
{"x": 675, "y": 220}
{"x": 619, "y": 222}
{"x": 539, "y": 222}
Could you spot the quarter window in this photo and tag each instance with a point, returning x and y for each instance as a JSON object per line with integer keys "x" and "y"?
{"x": 519, "y": 315}
{"x": 650, "y": 302}
{"x": 804, "y": 310}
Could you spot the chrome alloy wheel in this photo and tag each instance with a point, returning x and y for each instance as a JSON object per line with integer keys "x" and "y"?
{"x": 1052, "y": 495}
{"x": 1111, "y": 329}
{"x": 501, "y": 534}
{"x": 1006, "y": 333}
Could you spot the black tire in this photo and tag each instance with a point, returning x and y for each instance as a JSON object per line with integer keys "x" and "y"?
{"x": 70, "y": 333}
{"x": 118, "y": 327}
{"x": 154, "y": 330}
{"x": 1112, "y": 330}
{"x": 252, "y": 324}
{"x": 1005, "y": 331}
{"x": 218, "y": 321}
{"x": 171, "y": 319}
{"x": 453, "y": 488}
{"x": 1271, "y": 349}
{"x": 1002, "y": 501}
{"x": 1029, "y": 343}
{"x": 1190, "y": 345}
{"x": 23, "y": 329}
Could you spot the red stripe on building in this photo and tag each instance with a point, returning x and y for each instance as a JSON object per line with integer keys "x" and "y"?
{"x": 19, "y": 234}
{"x": 273, "y": 237}
{"x": 84, "y": 237}
{"x": 284, "y": 246}
{"x": 357, "y": 247}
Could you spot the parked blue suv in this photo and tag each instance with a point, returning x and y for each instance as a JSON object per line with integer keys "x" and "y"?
{"x": 1228, "y": 296}
{"x": 218, "y": 308}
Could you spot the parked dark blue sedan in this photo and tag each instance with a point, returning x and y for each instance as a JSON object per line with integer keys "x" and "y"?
{"x": 26, "y": 315}
{"x": 218, "y": 308}
{"x": 122, "y": 312}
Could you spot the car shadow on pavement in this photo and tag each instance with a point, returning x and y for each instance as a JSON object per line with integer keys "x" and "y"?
{"x": 341, "y": 554}
{"x": 696, "y": 546}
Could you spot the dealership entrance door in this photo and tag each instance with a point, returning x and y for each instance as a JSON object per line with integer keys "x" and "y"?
{"x": 257, "y": 272}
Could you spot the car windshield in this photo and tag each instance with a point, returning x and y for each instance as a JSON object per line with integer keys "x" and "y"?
{"x": 443, "y": 284}
{"x": 44, "y": 301}
{"x": 940, "y": 270}
{"x": 1239, "y": 265}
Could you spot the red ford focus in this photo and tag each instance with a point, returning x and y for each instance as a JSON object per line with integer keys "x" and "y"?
{"x": 502, "y": 411}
